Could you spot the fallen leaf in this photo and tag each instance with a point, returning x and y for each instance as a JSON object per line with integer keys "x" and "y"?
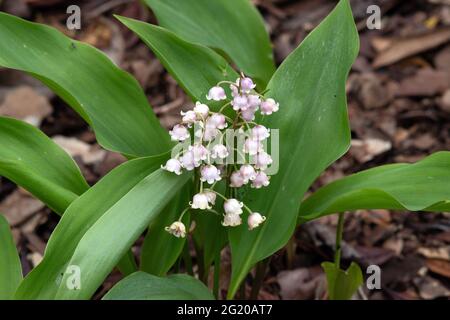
{"x": 366, "y": 150}
{"x": 301, "y": 284}
{"x": 26, "y": 104}
{"x": 399, "y": 48}
{"x": 442, "y": 253}
{"x": 77, "y": 148}
{"x": 426, "y": 82}
{"x": 430, "y": 288}
{"x": 439, "y": 266}
{"x": 18, "y": 207}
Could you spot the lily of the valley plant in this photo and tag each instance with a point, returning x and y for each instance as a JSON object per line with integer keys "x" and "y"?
{"x": 232, "y": 174}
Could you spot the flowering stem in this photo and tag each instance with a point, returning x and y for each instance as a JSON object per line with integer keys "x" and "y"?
{"x": 217, "y": 193}
{"x": 182, "y": 213}
{"x": 339, "y": 232}
{"x": 223, "y": 108}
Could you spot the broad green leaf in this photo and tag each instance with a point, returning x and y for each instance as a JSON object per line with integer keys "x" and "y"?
{"x": 161, "y": 249}
{"x": 127, "y": 264}
{"x": 10, "y": 267}
{"x": 423, "y": 186}
{"x": 109, "y": 99}
{"x": 98, "y": 228}
{"x": 313, "y": 132}
{"x": 32, "y": 160}
{"x": 342, "y": 285}
{"x": 144, "y": 286}
{"x": 232, "y": 26}
{"x": 196, "y": 68}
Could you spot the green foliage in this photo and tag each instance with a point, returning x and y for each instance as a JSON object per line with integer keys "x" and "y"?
{"x": 143, "y": 286}
{"x": 231, "y": 26}
{"x": 342, "y": 284}
{"x": 10, "y": 267}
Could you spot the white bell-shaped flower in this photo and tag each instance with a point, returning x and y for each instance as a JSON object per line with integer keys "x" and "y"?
{"x": 252, "y": 146}
{"x": 179, "y": 133}
{"x": 240, "y": 102}
{"x": 200, "y": 201}
{"x": 202, "y": 110}
{"x": 246, "y": 84}
{"x": 263, "y": 160}
{"x": 254, "y": 220}
{"x": 217, "y": 120}
{"x": 233, "y": 206}
{"x": 260, "y": 133}
{"x": 236, "y": 180}
{"x": 210, "y": 174}
{"x": 261, "y": 180}
{"x": 189, "y": 117}
{"x": 231, "y": 220}
{"x": 172, "y": 165}
{"x": 200, "y": 152}
{"x": 247, "y": 172}
{"x": 269, "y": 106}
{"x": 188, "y": 160}
{"x": 216, "y": 93}
{"x": 211, "y": 197}
{"x": 219, "y": 151}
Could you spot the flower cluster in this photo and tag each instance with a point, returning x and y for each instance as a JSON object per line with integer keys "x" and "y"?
{"x": 208, "y": 151}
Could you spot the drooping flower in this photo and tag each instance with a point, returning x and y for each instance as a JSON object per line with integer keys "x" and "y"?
{"x": 253, "y": 101}
{"x": 210, "y": 174}
{"x": 189, "y": 117}
{"x": 216, "y": 93}
{"x": 252, "y": 146}
{"x": 179, "y": 133}
{"x": 200, "y": 201}
{"x": 188, "y": 160}
{"x": 210, "y": 133}
{"x": 247, "y": 172}
{"x": 231, "y": 220}
{"x": 269, "y": 106}
{"x": 254, "y": 220}
{"x": 240, "y": 102}
{"x": 248, "y": 114}
{"x": 217, "y": 120}
{"x": 201, "y": 110}
{"x": 177, "y": 229}
{"x": 211, "y": 197}
{"x": 260, "y": 133}
{"x": 246, "y": 84}
{"x": 233, "y": 206}
{"x": 219, "y": 151}
{"x": 234, "y": 90}
{"x": 263, "y": 160}
{"x": 236, "y": 180}
{"x": 261, "y": 180}
{"x": 172, "y": 165}
{"x": 200, "y": 152}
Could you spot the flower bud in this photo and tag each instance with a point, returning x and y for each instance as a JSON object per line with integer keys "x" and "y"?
{"x": 247, "y": 84}
{"x": 240, "y": 102}
{"x": 189, "y": 117}
{"x": 217, "y": 120}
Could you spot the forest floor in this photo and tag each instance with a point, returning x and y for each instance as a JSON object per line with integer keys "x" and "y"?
{"x": 399, "y": 109}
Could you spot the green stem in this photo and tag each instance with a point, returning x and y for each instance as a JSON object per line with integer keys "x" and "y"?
{"x": 260, "y": 273}
{"x": 339, "y": 231}
{"x": 217, "y": 274}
